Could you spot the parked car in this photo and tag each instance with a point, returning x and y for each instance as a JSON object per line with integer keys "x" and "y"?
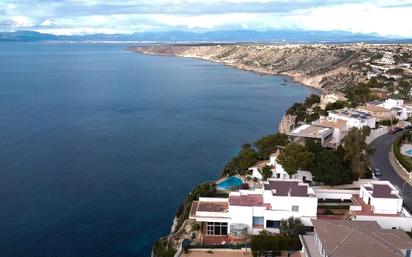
{"x": 408, "y": 127}
{"x": 398, "y": 129}
{"x": 377, "y": 172}
{"x": 395, "y": 130}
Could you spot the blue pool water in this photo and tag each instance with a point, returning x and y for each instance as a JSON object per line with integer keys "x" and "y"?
{"x": 230, "y": 182}
{"x": 409, "y": 152}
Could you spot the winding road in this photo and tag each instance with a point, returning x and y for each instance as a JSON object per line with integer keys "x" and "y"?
{"x": 380, "y": 160}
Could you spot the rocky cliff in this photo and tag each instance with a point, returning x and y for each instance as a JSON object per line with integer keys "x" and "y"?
{"x": 331, "y": 67}
{"x": 286, "y": 123}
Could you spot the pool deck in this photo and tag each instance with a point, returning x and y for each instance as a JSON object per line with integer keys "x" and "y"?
{"x": 225, "y": 178}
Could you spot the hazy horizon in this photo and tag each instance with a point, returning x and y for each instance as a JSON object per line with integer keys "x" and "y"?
{"x": 68, "y": 17}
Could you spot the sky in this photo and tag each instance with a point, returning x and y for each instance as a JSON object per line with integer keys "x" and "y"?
{"x": 67, "y": 17}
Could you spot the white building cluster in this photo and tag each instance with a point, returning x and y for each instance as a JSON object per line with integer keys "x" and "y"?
{"x": 247, "y": 212}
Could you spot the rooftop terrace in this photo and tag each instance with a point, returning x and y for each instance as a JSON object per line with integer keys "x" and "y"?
{"x": 286, "y": 188}
{"x": 312, "y": 131}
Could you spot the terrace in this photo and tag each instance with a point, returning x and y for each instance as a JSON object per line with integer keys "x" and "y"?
{"x": 299, "y": 134}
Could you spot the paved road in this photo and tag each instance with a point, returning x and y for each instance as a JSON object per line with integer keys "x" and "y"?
{"x": 380, "y": 159}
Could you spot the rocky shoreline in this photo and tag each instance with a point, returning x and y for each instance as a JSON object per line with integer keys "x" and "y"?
{"x": 326, "y": 68}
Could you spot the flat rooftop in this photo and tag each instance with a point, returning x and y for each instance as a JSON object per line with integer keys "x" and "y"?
{"x": 286, "y": 188}
{"x": 212, "y": 206}
{"x": 383, "y": 191}
{"x": 246, "y": 200}
{"x": 312, "y": 131}
{"x": 374, "y": 108}
{"x": 351, "y": 113}
{"x": 338, "y": 123}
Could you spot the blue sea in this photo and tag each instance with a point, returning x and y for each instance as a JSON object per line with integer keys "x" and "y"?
{"x": 99, "y": 145}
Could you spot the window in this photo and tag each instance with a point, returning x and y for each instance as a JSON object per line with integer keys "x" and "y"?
{"x": 272, "y": 223}
{"x": 295, "y": 208}
{"x": 258, "y": 221}
{"x": 216, "y": 228}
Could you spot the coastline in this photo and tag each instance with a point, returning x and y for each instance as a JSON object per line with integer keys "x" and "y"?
{"x": 294, "y": 78}
{"x": 175, "y": 228}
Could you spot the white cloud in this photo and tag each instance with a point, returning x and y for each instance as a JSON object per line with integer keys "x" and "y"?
{"x": 384, "y": 17}
{"x": 358, "y": 18}
{"x": 21, "y": 21}
{"x": 46, "y": 23}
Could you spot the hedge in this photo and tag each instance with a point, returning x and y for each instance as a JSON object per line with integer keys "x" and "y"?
{"x": 397, "y": 151}
{"x": 263, "y": 244}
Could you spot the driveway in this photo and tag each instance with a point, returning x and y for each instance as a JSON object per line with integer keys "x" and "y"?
{"x": 380, "y": 160}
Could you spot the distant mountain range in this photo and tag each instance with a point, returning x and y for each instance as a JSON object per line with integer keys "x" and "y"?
{"x": 292, "y": 36}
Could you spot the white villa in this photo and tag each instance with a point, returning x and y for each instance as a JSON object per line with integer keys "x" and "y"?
{"x": 353, "y": 118}
{"x": 378, "y": 201}
{"x": 339, "y": 127}
{"x": 278, "y": 171}
{"x": 320, "y": 133}
{"x": 250, "y": 211}
{"x": 396, "y": 106}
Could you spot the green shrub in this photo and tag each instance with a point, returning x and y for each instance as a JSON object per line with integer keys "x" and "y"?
{"x": 161, "y": 249}
{"x": 397, "y": 151}
{"x": 195, "y": 226}
{"x": 266, "y": 243}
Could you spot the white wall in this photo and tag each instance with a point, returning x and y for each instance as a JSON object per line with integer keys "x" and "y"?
{"x": 354, "y": 123}
{"x": 388, "y": 222}
{"x": 386, "y": 205}
{"x": 307, "y": 205}
{"x": 340, "y": 194}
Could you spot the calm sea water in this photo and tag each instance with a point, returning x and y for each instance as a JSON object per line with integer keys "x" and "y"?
{"x": 98, "y": 145}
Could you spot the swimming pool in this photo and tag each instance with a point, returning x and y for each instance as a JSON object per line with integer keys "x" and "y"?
{"x": 230, "y": 183}
{"x": 409, "y": 152}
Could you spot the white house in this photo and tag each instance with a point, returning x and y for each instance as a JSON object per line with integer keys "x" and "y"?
{"x": 300, "y": 134}
{"x": 339, "y": 127}
{"x": 380, "y": 201}
{"x": 397, "y": 106}
{"x": 353, "y": 118}
{"x": 278, "y": 171}
{"x": 250, "y": 211}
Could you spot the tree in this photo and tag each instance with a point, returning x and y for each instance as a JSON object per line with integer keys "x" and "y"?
{"x": 269, "y": 144}
{"x": 266, "y": 172}
{"x": 334, "y": 106}
{"x": 374, "y": 83}
{"x": 292, "y": 227}
{"x": 246, "y": 158}
{"x": 311, "y": 100}
{"x": 295, "y": 157}
{"x": 356, "y": 151}
{"x": 358, "y": 95}
{"x": 330, "y": 169}
{"x": 404, "y": 89}
{"x": 313, "y": 145}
